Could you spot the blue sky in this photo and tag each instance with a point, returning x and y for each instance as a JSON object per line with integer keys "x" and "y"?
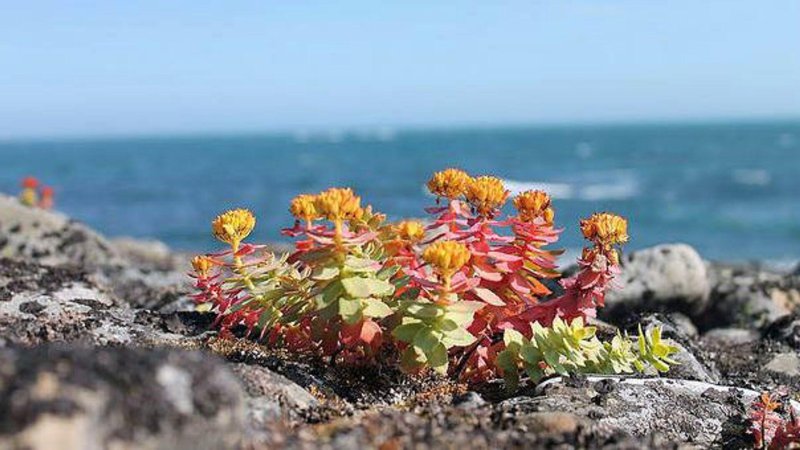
{"x": 152, "y": 67}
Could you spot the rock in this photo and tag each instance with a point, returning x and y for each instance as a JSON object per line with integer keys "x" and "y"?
{"x": 786, "y": 329}
{"x": 690, "y": 368}
{"x": 470, "y": 400}
{"x": 443, "y": 426}
{"x": 785, "y": 364}
{"x": 683, "y": 325}
{"x": 88, "y": 398}
{"x": 144, "y": 273}
{"x": 260, "y": 382}
{"x": 748, "y": 298}
{"x": 164, "y": 291}
{"x": 677, "y": 411}
{"x": 731, "y": 336}
{"x": 151, "y": 255}
{"x": 50, "y": 238}
{"x": 271, "y": 399}
{"x": 553, "y": 422}
{"x": 668, "y": 277}
{"x": 40, "y": 304}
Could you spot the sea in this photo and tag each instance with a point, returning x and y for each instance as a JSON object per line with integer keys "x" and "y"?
{"x": 731, "y": 190}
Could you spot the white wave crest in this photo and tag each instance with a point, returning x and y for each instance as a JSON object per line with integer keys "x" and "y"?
{"x": 623, "y": 188}
{"x": 752, "y": 177}
{"x": 556, "y": 190}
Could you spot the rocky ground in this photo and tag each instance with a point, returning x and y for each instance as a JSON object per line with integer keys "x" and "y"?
{"x": 100, "y": 348}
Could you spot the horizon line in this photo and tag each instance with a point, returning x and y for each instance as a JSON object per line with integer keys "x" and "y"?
{"x": 407, "y": 128}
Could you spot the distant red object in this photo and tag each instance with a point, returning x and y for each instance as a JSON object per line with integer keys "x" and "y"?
{"x": 46, "y": 201}
{"x": 30, "y": 183}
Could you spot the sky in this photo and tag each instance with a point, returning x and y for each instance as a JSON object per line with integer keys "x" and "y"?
{"x": 97, "y": 68}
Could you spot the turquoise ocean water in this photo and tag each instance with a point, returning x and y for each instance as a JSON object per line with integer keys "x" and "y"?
{"x": 731, "y": 190}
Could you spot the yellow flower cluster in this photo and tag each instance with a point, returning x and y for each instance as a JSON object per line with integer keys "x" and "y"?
{"x": 486, "y": 194}
{"x": 446, "y": 256}
{"x": 233, "y": 226}
{"x": 337, "y": 204}
{"x": 410, "y": 230}
{"x": 303, "y": 207}
{"x": 605, "y": 229}
{"x": 449, "y": 183}
{"x": 202, "y": 265}
{"x": 534, "y": 204}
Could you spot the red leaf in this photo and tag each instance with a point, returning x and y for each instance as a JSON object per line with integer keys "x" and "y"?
{"x": 487, "y": 273}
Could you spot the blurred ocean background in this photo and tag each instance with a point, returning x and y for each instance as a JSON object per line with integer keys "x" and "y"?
{"x": 730, "y": 190}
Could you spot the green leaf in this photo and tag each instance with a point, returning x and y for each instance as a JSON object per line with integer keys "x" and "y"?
{"x": 530, "y": 354}
{"x": 350, "y": 310}
{"x": 329, "y": 294}
{"x": 407, "y": 331}
{"x": 411, "y": 294}
{"x": 358, "y": 287}
{"x": 423, "y": 310}
{"x": 329, "y": 312}
{"x": 387, "y": 272}
{"x": 380, "y": 288}
{"x": 462, "y": 312}
{"x": 446, "y": 324}
{"x": 402, "y": 281}
{"x": 204, "y": 307}
{"x": 265, "y": 317}
{"x": 426, "y": 339}
{"x": 325, "y": 273}
{"x": 534, "y": 372}
{"x": 458, "y": 338}
{"x": 465, "y": 306}
{"x": 376, "y": 308}
{"x": 359, "y": 265}
{"x": 239, "y": 306}
{"x": 437, "y": 358}
{"x": 508, "y": 364}
{"x": 513, "y": 338}
{"x": 412, "y": 358}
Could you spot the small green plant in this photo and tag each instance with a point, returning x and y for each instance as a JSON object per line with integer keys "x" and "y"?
{"x": 463, "y": 295}
{"x": 565, "y": 348}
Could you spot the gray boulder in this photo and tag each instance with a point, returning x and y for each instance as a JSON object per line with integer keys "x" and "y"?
{"x": 50, "y": 238}
{"x": 666, "y": 277}
{"x": 143, "y": 273}
{"x": 749, "y": 298}
{"x": 81, "y": 398}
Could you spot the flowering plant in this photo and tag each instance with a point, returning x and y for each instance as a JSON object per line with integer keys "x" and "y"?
{"x": 35, "y": 195}
{"x": 465, "y": 294}
{"x": 770, "y": 429}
